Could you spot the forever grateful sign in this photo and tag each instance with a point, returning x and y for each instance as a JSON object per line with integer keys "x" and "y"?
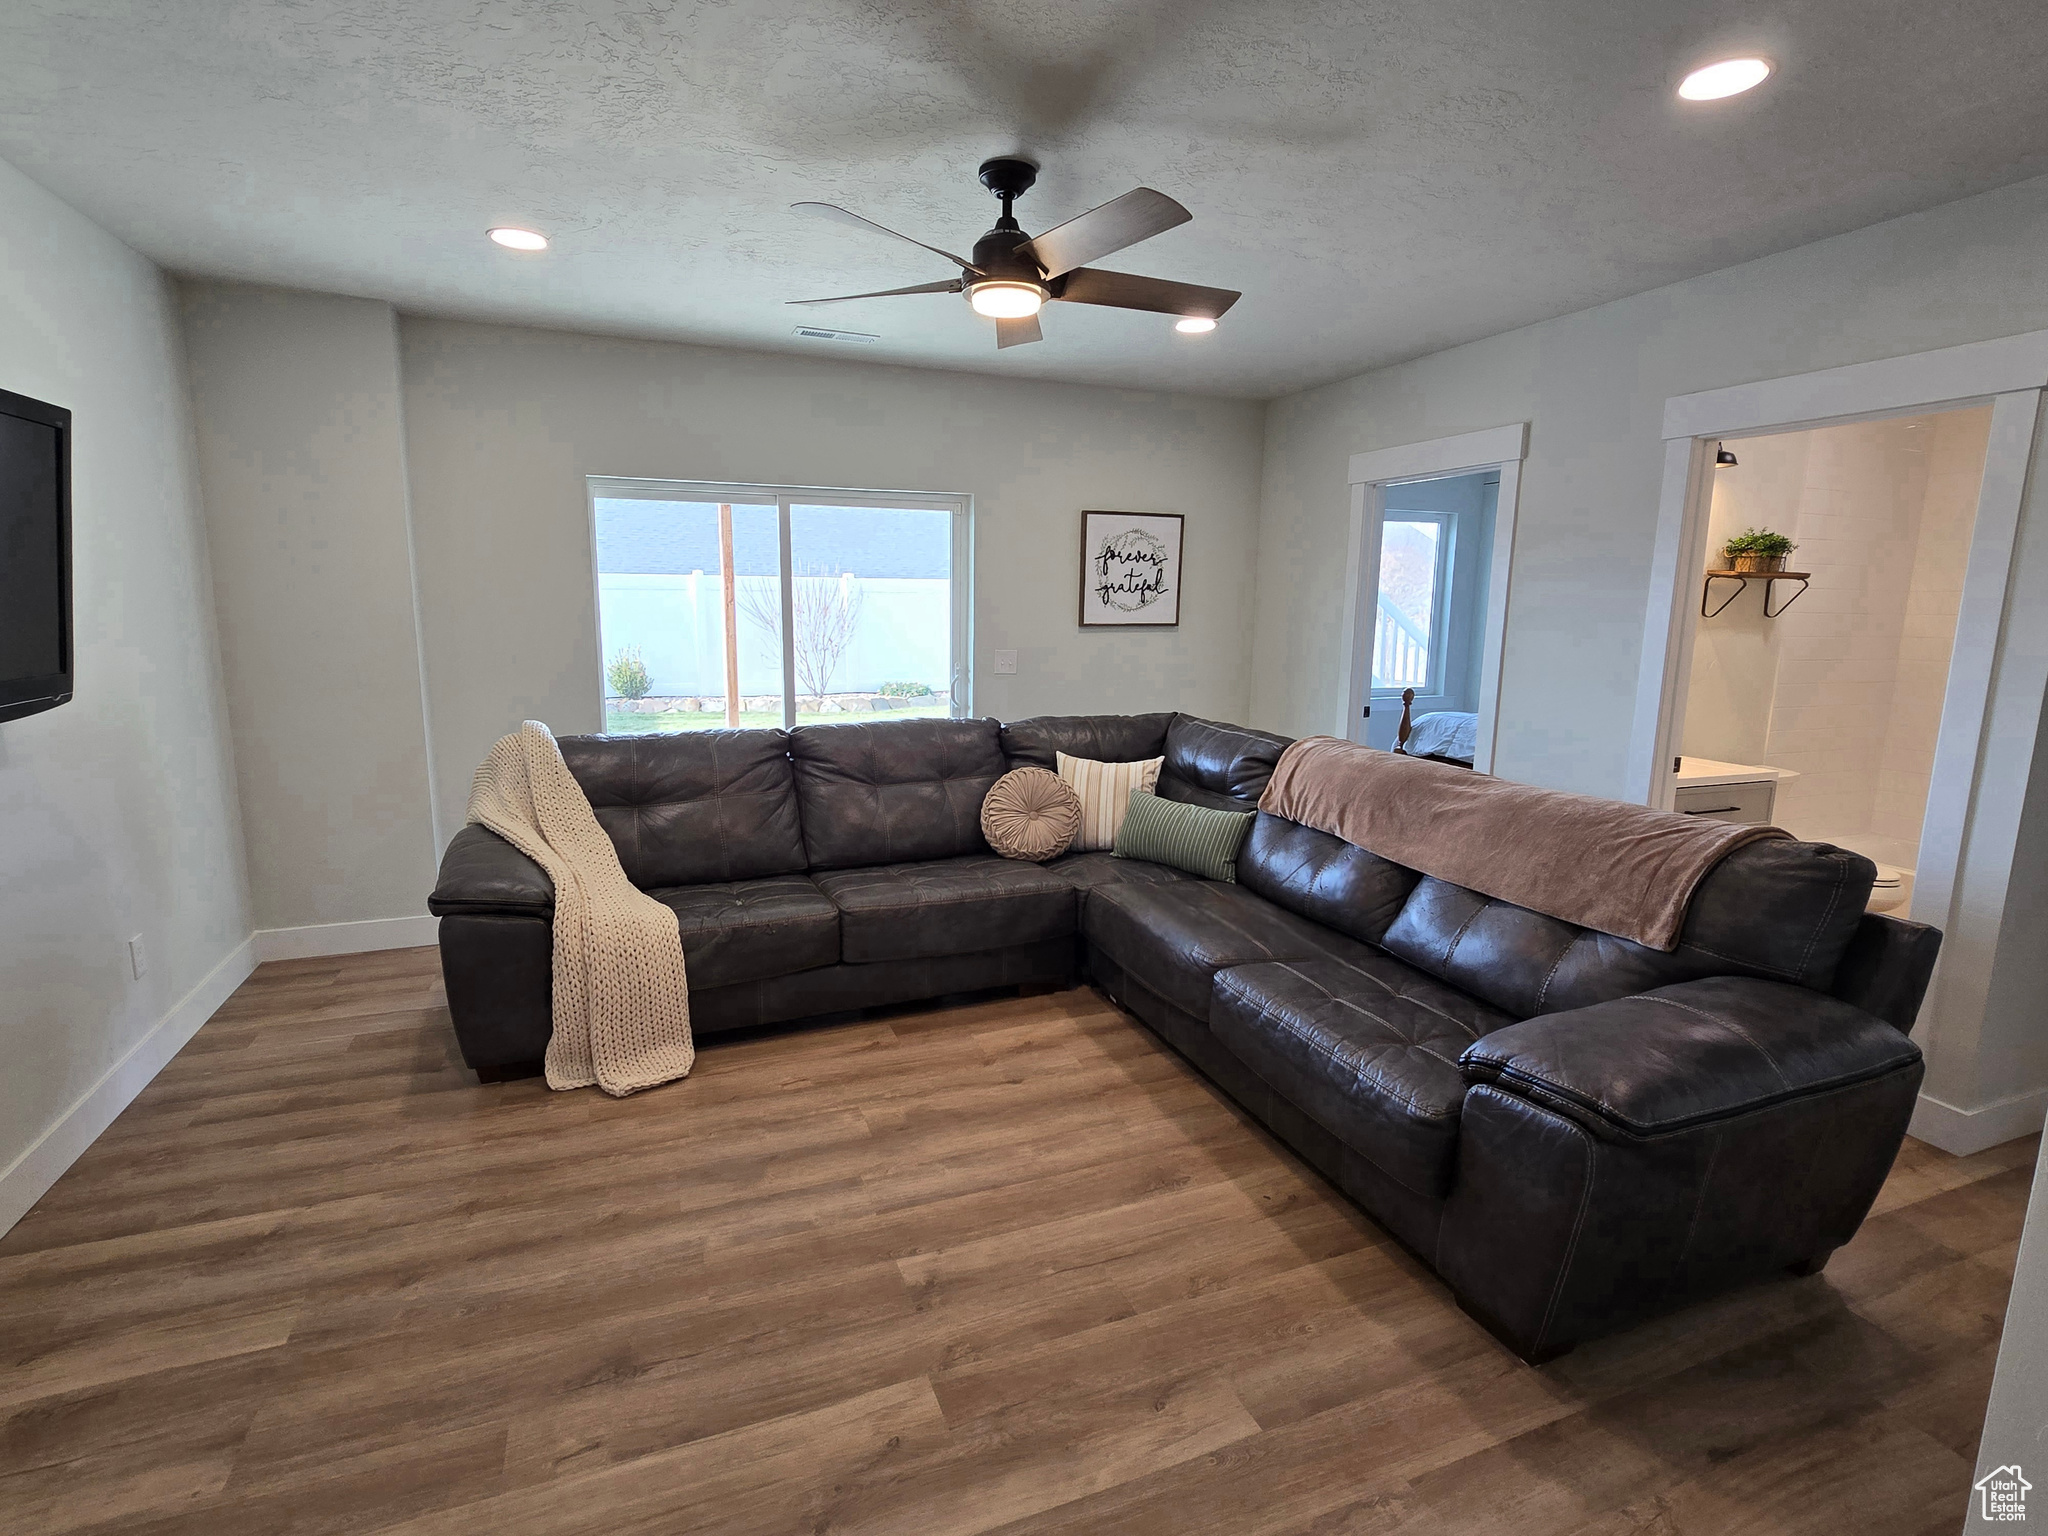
{"x": 1130, "y": 569}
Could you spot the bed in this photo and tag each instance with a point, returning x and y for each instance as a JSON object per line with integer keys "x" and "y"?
{"x": 1442, "y": 736}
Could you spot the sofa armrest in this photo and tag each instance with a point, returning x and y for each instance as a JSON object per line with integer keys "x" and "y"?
{"x": 1618, "y": 1159}
{"x": 1887, "y": 966}
{"x": 481, "y": 872}
{"x": 1663, "y": 1062}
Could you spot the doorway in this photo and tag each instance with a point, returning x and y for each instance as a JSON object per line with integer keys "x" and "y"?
{"x": 1432, "y": 540}
{"x": 1436, "y": 547}
{"x": 1975, "y": 874}
{"x": 1814, "y": 696}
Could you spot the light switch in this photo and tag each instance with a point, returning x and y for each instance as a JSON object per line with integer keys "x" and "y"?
{"x": 1005, "y": 663}
{"x": 138, "y": 956}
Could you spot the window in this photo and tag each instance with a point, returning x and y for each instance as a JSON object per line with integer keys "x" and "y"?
{"x": 1415, "y": 563}
{"x": 751, "y": 605}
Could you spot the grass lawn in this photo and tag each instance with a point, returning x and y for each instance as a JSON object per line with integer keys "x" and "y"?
{"x": 628, "y": 724}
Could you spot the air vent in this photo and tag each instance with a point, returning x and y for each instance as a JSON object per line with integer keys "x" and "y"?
{"x": 849, "y": 338}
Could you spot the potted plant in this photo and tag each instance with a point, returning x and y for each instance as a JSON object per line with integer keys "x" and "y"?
{"x": 1756, "y": 549}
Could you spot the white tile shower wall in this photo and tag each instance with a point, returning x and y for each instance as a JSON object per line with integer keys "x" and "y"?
{"x": 1955, "y": 472}
{"x": 1845, "y": 688}
{"x": 1857, "y": 527}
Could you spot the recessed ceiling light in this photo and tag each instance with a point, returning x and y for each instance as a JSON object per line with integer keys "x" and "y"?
{"x": 518, "y": 239}
{"x": 1194, "y": 325}
{"x": 1730, "y": 77}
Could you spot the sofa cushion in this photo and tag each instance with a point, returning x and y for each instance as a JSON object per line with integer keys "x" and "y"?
{"x": 1175, "y": 937}
{"x": 1367, "y": 1048}
{"x": 751, "y": 930}
{"x": 1086, "y": 872}
{"x": 1209, "y": 763}
{"x": 894, "y": 792}
{"x": 693, "y": 806}
{"x": 1323, "y": 877}
{"x": 1779, "y": 910}
{"x": 946, "y": 907}
{"x": 1885, "y": 969}
{"x": 1037, "y": 742}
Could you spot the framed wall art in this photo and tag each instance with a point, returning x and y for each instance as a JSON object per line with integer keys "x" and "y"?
{"x": 1130, "y": 570}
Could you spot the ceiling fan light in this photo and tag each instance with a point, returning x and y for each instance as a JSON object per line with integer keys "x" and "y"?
{"x": 518, "y": 239}
{"x": 1730, "y": 77}
{"x": 1194, "y": 325}
{"x": 1006, "y": 300}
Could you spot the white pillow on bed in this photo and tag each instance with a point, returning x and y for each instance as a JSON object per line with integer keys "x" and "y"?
{"x": 1447, "y": 733}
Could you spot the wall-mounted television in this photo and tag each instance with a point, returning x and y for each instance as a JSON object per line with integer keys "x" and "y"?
{"x": 35, "y": 556}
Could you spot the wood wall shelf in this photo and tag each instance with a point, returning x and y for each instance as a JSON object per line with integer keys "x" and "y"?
{"x": 1770, "y": 579}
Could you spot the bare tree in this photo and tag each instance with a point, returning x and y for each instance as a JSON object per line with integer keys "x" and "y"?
{"x": 826, "y": 614}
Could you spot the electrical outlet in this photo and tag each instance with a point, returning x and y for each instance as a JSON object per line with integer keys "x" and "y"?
{"x": 1005, "y": 663}
{"x": 138, "y": 956}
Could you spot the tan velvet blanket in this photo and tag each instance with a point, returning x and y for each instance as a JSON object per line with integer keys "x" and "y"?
{"x": 621, "y": 1002}
{"x": 1603, "y": 864}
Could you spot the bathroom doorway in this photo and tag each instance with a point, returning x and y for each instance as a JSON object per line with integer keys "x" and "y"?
{"x": 1975, "y": 870}
{"x": 1815, "y": 692}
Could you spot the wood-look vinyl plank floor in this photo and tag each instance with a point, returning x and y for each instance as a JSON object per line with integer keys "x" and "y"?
{"x": 1008, "y": 1267}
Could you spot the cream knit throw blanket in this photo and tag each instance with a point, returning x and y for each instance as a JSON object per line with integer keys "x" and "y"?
{"x": 622, "y": 1007}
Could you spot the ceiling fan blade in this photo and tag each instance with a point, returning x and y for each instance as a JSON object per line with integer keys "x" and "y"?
{"x": 1137, "y": 215}
{"x": 1121, "y": 290}
{"x": 952, "y": 285}
{"x": 840, "y": 215}
{"x": 1015, "y": 333}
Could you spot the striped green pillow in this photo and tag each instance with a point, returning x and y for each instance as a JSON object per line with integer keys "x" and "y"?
{"x": 1190, "y": 837}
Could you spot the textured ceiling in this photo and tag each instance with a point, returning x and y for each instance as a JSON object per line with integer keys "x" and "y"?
{"x": 1381, "y": 179}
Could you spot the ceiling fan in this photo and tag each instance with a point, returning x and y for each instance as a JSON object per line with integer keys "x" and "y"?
{"x": 1013, "y": 275}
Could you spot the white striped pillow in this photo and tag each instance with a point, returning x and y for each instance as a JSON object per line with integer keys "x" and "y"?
{"x": 1105, "y": 791}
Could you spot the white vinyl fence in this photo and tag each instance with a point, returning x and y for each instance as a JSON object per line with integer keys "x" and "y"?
{"x": 678, "y": 624}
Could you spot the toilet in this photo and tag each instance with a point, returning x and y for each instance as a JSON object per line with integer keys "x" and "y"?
{"x": 1892, "y": 891}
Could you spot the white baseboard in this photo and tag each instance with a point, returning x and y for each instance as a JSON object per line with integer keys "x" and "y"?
{"x": 1963, "y": 1131}
{"x": 345, "y": 938}
{"x": 30, "y": 1175}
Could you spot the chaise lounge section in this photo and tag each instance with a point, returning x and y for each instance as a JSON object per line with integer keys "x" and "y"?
{"x": 1574, "y": 1130}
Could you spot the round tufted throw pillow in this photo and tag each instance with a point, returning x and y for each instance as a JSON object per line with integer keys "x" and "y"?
{"x": 1030, "y": 813}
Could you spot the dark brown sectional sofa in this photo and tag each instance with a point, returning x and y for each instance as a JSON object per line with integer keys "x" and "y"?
{"x": 1575, "y": 1131}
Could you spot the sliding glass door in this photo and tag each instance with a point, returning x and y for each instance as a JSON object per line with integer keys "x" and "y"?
{"x": 723, "y": 606}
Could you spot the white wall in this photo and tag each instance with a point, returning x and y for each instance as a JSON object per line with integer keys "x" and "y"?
{"x": 302, "y": 461}
{"x": 1856, "y": 516}
{"x": 1592, "y": 386}
{"x": 503, "y": 424}
{"x": 1954, "y": 476}
{"x": 117, "y": 810}
{"x": 2017, "y": 1415}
